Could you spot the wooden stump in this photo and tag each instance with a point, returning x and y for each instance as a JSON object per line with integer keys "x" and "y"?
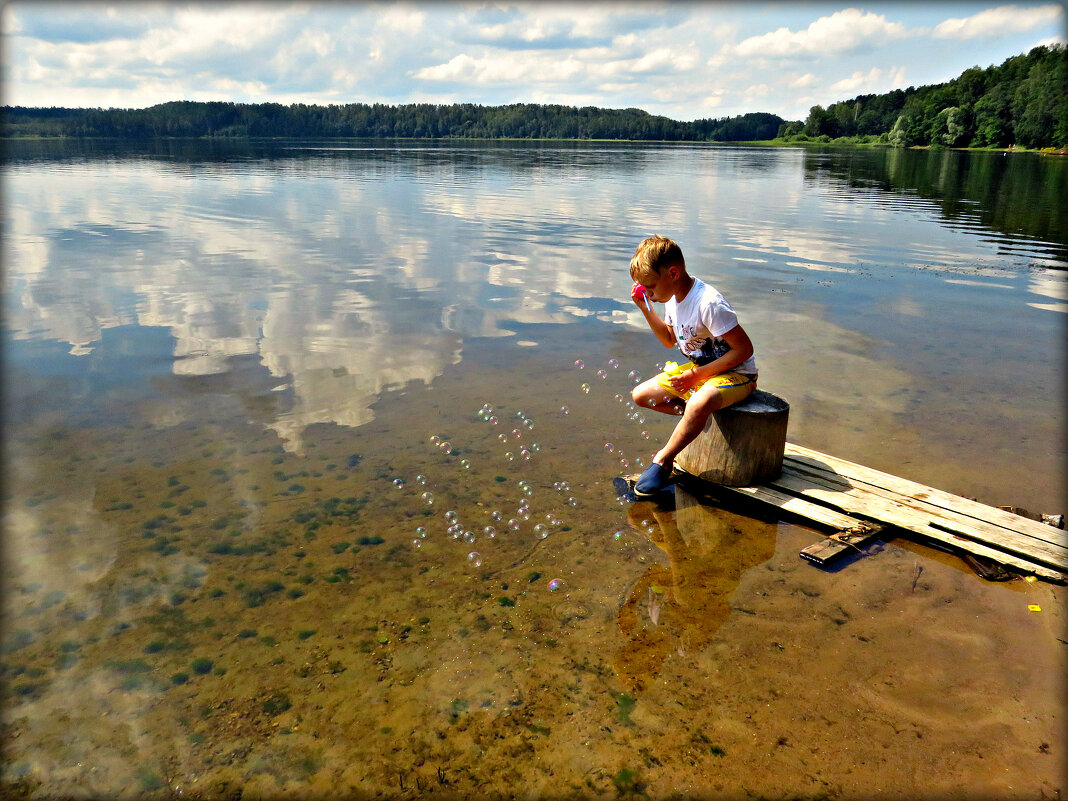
{"x": 742, "y": 445}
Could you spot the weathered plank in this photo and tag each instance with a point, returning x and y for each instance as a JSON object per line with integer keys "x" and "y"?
{"x": 906, "y": 518}
{"x": 799, "y": 506}
{"x": 963, "y": 525}
{"x": 928, "y": 495}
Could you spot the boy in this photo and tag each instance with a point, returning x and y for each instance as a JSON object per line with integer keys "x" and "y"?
{"x": 721, "y": 370}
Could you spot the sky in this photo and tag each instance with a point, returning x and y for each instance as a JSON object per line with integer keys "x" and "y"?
{"x": 683, "y": 60}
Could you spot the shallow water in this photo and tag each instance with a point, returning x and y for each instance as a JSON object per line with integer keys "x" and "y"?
{"x": 220, "y": 364}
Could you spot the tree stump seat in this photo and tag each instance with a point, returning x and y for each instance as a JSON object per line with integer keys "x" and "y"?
{"x": 742, "y": 445}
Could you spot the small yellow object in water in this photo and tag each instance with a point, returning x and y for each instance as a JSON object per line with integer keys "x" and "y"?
{"x": 1034, "y": 608}
{"x": 1030, "y": 579}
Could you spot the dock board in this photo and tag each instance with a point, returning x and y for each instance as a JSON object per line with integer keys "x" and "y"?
{"x": 866, "y": 494}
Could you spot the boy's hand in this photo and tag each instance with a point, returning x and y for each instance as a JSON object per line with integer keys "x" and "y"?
{"x": 637, "y": 294}
{"x": 683, "y": 381}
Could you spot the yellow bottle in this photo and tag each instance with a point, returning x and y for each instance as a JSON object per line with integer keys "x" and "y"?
{"x": 672, "y": 369}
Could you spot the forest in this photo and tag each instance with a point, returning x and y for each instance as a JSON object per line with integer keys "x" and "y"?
{"x": 1022, "y": 102}
{"x": 358, "y": 120}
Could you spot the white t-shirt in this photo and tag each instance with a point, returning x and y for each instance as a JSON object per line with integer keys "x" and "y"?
{"x": 700, "y": 320}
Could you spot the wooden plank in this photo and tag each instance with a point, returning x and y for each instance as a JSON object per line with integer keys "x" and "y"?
{"x": 798, "y": 506}
{"x": 961, "y": 525}
{"x": 832, "y": 548}
{"x": 929, "y": 495}
{"x": 904, "y": 517}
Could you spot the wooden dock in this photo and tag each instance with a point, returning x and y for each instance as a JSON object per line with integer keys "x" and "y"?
{"x": 858, "y": 503}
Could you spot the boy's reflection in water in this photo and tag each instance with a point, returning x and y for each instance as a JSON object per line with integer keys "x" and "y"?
{"x": 680, "y": 607}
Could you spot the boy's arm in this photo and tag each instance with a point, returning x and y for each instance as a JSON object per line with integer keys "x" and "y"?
{"x": 741, "y": 349}
{"x": 662, "y": 330}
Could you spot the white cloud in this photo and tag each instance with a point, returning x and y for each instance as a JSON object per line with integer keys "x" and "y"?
{"x": 802, "y": 81}
{"x": 994, "y": 22}
{"x": 841, "y": 31}
{"x": 874, "y": 80}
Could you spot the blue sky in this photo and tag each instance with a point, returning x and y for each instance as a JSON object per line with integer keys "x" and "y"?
{"x": 683, "y": 60}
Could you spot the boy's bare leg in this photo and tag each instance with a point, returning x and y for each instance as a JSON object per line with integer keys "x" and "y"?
{"x": 650, "y": 395}
{"x": 701, "y": 404}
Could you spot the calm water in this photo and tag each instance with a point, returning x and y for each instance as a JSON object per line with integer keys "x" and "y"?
{"x": 232, "y": 372}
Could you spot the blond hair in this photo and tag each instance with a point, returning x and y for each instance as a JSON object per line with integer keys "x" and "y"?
{"x": 653, "y": 255}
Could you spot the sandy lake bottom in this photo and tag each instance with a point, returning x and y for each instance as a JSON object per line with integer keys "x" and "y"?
{"x": 194, "y": 610}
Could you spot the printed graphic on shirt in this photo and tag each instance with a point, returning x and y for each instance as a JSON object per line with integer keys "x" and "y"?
{"x": 699, "y": 347}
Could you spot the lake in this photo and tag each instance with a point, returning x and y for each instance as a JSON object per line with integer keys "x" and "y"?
{"x": 309, "y": 452}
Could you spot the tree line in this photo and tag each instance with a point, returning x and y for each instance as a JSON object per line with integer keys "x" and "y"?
{"x": 359, "y": 120}
{"x": 1021, "y": 102}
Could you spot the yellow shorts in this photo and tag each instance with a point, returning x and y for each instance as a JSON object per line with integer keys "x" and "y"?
{"x": 732, "y": 386}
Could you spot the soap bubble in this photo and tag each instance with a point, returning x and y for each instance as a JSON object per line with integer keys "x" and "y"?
{"x": 428, "y": 498}
{"x": 639, "y": 462}
{"x": 521, "y": 415}
{"x": 525, "y": 453}
{"x": 490, "y": 531}
{"x": 556, "y": 585}
{"x": 494, "y": 420}
{"x": 572, "y": 502}
{"x": 466, "y": 465}
{"x": 420, "y": 479}
{"x": 645, "y": 435}
{"x": 513, "y": 524}
{"x": 398, "y": 483}
{"x": 585, "y": 388}
{"x": 521, "y": 483}
{"x": 509, "y": 456}
{"x": 451, "y": 516}
{"x": 502, "y": 437}
{"x": 524, "y": 513}
{"x": 435, "y": 440}
{"x": 634, "y": 376}
{"x": 474, "y": 559}
{"x": 420, "y": 532}
{"x": 613, "y": 363}
{"x": 608, "y": 446}
{"x": 455, "y": 529}
{"x": 516, "y": 433}
{"x": 640, "y": 419}
{"x": 446, "y": 447}
{"x": 624, "y": 463}
{"x": 535, "y": 447}
{"x": 564, "y": 410}
{"x": 618, "y": 535}
{"x": 619, "y": 398}
{"x": 602, "y": 374}
{"x": 469, "y": 536}
{"x": 579, "y": 363}
{"x": 528, "y": 423}
{"x": 541, "y": 530}
{"x": 417, "y": 543}
{"x": 495, "y": 516}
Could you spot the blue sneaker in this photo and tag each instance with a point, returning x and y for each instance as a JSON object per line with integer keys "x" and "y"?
{"x": 653, "y": 480}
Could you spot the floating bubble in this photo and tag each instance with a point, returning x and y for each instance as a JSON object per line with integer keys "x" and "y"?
{"x": 521, "y": 483}
{"x": 564, "y": 410}
{"x": 516, "y": 433}
{"x": 435, "y": 440}
{"x": 474, "y": 559}
{"x": 513, "y": 524}
{"x": 451, "y": 516}
{"x": 608, "y": 446}
{"x": 535, "y": 447}
{"x": 455, "y": 529}
{"x": 469, "y": 536}
{"x": 495, "y": 516}
{"x": 521, "y": 415}
{"x": 585, "y": 388}
{"x": 398, "y": 483}
{"x": 528, "y": 490}
{"x": 420, "y": 532}
{"x": 417, "y": 543}
{"x": 624, "y": 463}
{"x": 524, "y": 513}
{"x": 639, "y": 462}
{"x": 634, "y": 376}
{"x": 509, "y": 456}
{"x": 525, "y": 453}
{"x": 618, "y": 535}
{"x": 528, "y": 424}
{"x": 572, "y": 502}
{"x": 619, "y": 398}
{"x": 602, "y": 374}
{"x": 579, "y": 363}
{"x": 556, "y": 585}
{"x": 494, "y": 420}
{"x": 420, "y": 479}
{"x": 466, "y": 465}
{"x": 428, "y": 498}
{"x": 640, "y": 419}
{"x": 490, "y": 531}
{"x": 502, "y": 437}
{"x": 645, "y": 435}
{"x": 613, "y": 363}
{"x": 541, "y": 530}
{"x": 446, "y": 447}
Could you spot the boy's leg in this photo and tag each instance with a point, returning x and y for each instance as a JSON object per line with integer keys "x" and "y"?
{"x": 650, "y": 395}
{"x": 707, "y": 399}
